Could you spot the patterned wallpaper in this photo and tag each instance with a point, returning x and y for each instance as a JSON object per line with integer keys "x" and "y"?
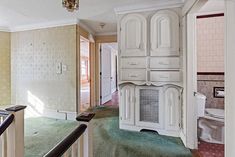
{"x": 206, "y": 84}
{"x": 35, "y": 79}
{"x": 5, "y": 80}
{"x": 210, "y": 44}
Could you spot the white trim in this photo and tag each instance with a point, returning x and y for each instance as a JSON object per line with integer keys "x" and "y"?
{"x": 44, "y": 25}
{"x": 191, "y": 80}
{"x": 106, "y": 33}
{"x": 4, "y": 29}
{"x": 86, "y": 27}
{"x": 149, "y": 6}
{"x": 229, "y": 78}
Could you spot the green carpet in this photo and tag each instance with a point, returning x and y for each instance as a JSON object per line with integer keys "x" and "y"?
{"x": 42, "y": 134}
{"x": 110, "y": 141}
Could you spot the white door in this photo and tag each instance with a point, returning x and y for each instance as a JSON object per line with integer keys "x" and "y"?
{"x": 127, "y": 108}
{"x": 106, "y": 93}
{"x": 164, "y": 34}
{"x": 133, "y": 35}
{"x": 172, "y": 109}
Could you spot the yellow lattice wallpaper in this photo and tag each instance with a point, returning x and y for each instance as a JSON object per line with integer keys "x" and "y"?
{"x": 5, "y": 85}
{"x": 36, "y": 80}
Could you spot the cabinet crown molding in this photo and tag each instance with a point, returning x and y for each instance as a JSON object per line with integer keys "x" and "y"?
{"x": 149, "y": 6}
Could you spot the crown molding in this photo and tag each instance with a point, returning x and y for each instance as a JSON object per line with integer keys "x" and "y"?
{"x": 4, "y": 29}
{"x": 43, "y": 25}
{"x": 106, "y": 33}
{"x": 86, "y": 27}
{"x": 149, "y": 6}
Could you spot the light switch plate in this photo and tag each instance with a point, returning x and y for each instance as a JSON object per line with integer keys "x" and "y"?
{"x": 59, "y": 68}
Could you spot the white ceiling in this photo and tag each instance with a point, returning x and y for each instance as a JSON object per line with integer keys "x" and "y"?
{"x": 16, "y": 14}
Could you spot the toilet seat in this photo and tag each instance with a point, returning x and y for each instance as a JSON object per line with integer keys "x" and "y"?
{"x": 216, "y": 113}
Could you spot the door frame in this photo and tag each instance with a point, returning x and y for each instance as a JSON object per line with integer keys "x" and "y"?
{"x": 189, "y": 19}
{"x": 98, "y": 41}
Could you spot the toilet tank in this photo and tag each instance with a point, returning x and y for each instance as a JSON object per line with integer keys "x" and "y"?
{"x": 201, "y": 103}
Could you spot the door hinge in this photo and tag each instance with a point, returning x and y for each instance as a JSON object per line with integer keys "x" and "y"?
{"x": 179, "y": 125}
{"x": 100, "y": 97}
{"x": 120, "y": 28}
{"x": 100, "y": 73}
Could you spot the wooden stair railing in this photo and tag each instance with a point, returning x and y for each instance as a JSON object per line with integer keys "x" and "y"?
{"x": 12, "y": 131}
{"x": 79, "y": 140}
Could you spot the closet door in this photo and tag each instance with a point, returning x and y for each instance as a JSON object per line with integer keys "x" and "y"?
{"x": 127, "y": 98}
{"x": 172, "y": 108}
{"x": 164, "y": 35}
{"x": 133, "y": 35}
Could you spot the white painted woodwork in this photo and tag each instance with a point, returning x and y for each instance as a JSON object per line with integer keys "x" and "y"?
{"x": 134, "y": 62}
{"x": 156, "y": 63}
{"x": 133, "y": 75}
{"x": 164, "y": 36}
{"x": 133, "y": 35}
{"x": 164, "y": 63}
{"x": 127, "y": 108}
{"x": 230, "y": 77}
{"x": 160, "y": 114}
{"x": 172, "y": 109}
{"x": 106, "y": 91}
{"x": 165, "y": 76}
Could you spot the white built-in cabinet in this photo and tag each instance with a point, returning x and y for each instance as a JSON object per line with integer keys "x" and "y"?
{"x": 134, "y": 35}
{"x": 164, "y": 36}
{"x": 150, "y": 79}
{"x": 127, "y": 98}
{"x": 172, "y": 108}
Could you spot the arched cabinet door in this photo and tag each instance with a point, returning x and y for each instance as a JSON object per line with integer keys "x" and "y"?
{"x": 133, "y": 35}
{"x": 164, "y": 35}
{"x": 172, "y": 108}
{"x": 127, "y": 97}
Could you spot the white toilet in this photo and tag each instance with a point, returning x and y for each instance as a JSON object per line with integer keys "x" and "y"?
{"x": 211, "y": 122}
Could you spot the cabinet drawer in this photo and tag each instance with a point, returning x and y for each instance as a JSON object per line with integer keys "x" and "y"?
{"x": 133, "y": 75}
{"x": 164, "y": 63}
{"x": 133, "y": 62}
{"x": 169, "y": 76}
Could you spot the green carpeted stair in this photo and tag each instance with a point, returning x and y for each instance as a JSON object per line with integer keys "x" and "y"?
{"x": 42, "y": 134}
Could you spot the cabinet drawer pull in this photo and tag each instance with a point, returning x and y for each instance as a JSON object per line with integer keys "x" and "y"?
{"x": 133, "y": 75}
{"x": 163, "y": 63}
{"x": 164, "y": 77}
{"x": 133, "y": 63}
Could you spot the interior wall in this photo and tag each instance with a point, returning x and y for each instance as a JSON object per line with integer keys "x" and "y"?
{"x": 210, "y": 57}
{"x": 44, "y": 69}
{"x": 210, "y": 44}
{"x": 5, "y": 70}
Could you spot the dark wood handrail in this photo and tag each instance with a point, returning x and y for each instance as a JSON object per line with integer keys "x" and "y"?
{"x": 67, "y": 142}
{"x": 6, "y": 123}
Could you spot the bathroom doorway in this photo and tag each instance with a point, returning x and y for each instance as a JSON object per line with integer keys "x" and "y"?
{"x": 206, "y": 74}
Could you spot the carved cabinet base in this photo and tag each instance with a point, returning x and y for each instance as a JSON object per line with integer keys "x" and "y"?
{"x": 151, "y": 108}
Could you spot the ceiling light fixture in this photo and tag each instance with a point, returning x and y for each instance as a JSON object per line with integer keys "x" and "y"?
{"x": 71, "y": 5}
